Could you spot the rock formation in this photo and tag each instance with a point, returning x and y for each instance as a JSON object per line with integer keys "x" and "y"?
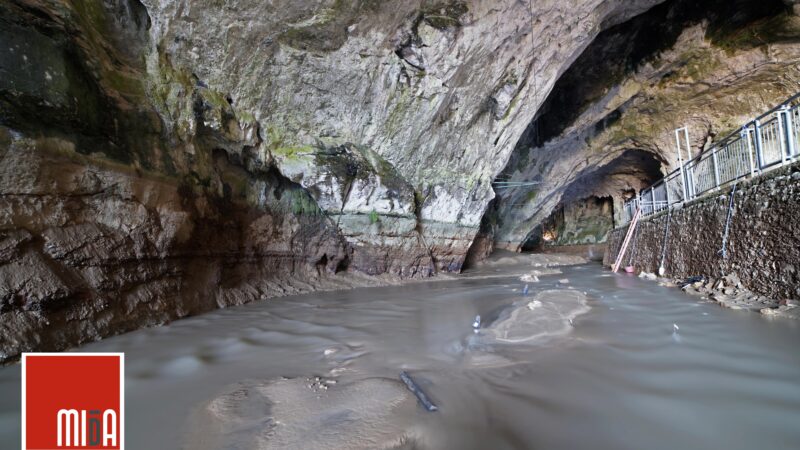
{"x": 606, "y": 129}
{"x": 160, "y": 158}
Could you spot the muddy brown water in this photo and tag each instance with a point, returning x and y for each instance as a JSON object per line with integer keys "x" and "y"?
{"x": 620, "y": 378}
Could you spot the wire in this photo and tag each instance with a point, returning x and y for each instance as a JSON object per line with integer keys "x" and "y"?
{"x": 666, "y": 235}
{"x": 724, "y": 251}
{"x": 633, "y": 249}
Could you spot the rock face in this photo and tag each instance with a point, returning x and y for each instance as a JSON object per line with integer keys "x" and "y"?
{"x": 161, "y": 158}
{"x": 427, "y": 91}
{"x": 580, "y": 223}
{"x": 164, "y": 157}
{"x": 90, "y": 250}
{"x": 606, "y": 128}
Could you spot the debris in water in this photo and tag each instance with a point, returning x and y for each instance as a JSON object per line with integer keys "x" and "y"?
{"x": 529, "y": 278}
{"x": 691, "y": 280}
{"x": 675, "y": 327}
{"x": 476, "y": 324}
{"x": 564, "y": 281}
{"x": 412, "y": 386}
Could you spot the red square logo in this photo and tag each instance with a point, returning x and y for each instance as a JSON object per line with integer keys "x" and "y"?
{"x": 73, "y": 401}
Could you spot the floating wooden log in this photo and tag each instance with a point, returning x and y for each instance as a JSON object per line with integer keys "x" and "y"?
{"x": 413, "y": 387}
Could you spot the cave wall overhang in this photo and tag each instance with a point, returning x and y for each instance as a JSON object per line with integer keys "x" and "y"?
{"x": 706, "y": 65}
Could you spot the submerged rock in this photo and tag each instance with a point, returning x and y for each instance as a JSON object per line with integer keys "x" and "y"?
{"x": 729, "y": 293}
{"x": 648, "y": 276}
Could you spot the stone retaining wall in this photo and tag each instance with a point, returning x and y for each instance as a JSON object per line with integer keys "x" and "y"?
{"x": 763, "y": 244}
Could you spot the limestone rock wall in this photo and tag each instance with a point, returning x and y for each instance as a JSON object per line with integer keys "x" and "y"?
{"x": 584, "y": 222}
{"x": 763, "y": 245}
{"x": 709, "y": 65}
{"x": 433, "y": 89}
{"x": 164, "y": 157}
{"x": 88, "y": 249}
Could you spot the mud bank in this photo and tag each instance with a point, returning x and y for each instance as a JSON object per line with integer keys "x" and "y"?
{"x": 306, "y": 413}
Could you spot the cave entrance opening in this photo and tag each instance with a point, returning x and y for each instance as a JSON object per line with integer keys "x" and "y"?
{"x": 573, "y": 226}
{"x": 591, "y": 205}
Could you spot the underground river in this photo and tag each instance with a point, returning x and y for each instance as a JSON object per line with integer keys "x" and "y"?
{"x": 620, "y": 376}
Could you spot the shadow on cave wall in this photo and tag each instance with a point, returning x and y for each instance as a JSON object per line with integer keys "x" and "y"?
{"x": 79, "y": 77}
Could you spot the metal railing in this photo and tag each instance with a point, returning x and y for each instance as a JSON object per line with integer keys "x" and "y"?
{"x": 767, "y": 142}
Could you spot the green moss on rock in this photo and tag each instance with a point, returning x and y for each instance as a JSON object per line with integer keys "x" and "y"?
{"x": 444, "y": 15}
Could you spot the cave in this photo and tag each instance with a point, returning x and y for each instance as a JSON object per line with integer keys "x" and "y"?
{"x": 591, "y": 206}
{"x": 580, "y": 222}
{"x": 589, "y": 128}
{"x": 363, "y": 224}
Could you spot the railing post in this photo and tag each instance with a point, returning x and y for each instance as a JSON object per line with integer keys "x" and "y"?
{"x": 653, "y": 196}
{"x": 666, "y": 189}
{"x": 759, "y": 144}
{"x": 680, "y": 163}
{"x": 716, "y": 167}
{"x": 690, "y": 171}
{"x": 781, "y": 135}
{"x": 789, "y": 132}
{"x": 746, "y": 136}
{"x": 689, "y": 181}
{"x": 639, "y": 201}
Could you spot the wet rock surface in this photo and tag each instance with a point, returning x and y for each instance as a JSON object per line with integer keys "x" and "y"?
{"x": 433, "y": 89}
{"x": 164, "y": 158}
{"x": 729, "y": 293}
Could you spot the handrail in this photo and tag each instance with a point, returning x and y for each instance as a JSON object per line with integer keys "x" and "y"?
{"x": 768, "y": 141}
